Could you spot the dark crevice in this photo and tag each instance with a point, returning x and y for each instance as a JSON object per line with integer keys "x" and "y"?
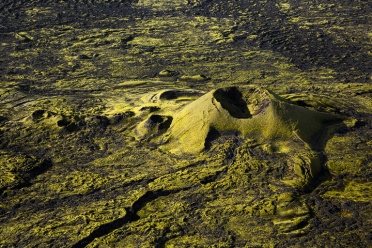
{"x": 130, "y": 216}
{"x": 164, "y": 237}
{"x": 78, "y": 199}
{"x": 299, "y": 226}
{"x": 214, "y": 177}
{"x": 132, "y": 211}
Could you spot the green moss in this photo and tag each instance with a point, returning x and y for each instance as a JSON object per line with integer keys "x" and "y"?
{"x": 197, "y": 240}
{"x": 232, "y": 188}
{"x": 18, "y": 169}
{"x": 183, "y": 179}
{"x": 79, "y": 183}
{"x": 290, "y": 224}
{"x": 343, "y": 160}
{"x": 354, "y": 191}
{"x": 242, "y": 226}
{"x": 286, "y": 197}
{"x": 23, "y": 37}
{"x": 195, "y": 78}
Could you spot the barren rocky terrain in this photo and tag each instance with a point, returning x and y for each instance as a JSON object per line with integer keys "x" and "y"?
{"x": 185, "y": 123}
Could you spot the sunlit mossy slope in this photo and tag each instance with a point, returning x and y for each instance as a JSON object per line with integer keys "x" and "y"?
{"x": 199, "y": 123}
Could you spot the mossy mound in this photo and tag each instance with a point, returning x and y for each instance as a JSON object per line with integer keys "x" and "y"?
{"x": 254, "y": 112}
{"x": 249, "y": 115}
{"x": 153, "y": 125}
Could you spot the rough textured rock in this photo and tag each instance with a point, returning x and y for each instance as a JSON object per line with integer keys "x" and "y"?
{"x": 88, "y": 90}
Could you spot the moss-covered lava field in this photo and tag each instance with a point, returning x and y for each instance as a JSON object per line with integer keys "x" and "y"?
{"x": 185, "y": 123}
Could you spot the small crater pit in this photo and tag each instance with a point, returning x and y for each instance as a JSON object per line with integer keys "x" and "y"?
{"x": 154, "y": 125}
{"x": 149, "y": 109}
{"x": 63, "y": 123}
{"x": 39, "y": 115}
{"x": 174, "y": 94}
{"x": 162, "y": 122}
{"x": 231, "y": 99}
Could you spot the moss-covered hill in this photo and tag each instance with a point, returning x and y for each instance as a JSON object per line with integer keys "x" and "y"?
{"x": 199, "y": 123}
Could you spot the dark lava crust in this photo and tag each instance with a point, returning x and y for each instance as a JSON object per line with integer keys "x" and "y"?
{"x": 89, "y": 90}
